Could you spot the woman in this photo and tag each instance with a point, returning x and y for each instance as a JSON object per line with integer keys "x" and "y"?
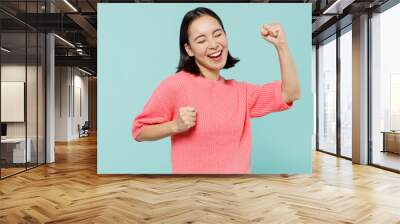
{"x": 207, "y": 116}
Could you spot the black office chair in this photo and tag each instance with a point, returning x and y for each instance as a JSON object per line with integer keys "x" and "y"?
{"x": 84, "y": 130}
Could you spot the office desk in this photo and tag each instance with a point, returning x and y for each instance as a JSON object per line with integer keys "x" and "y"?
{"x": 15, "y": 148}
{"x": 391, "y": 141}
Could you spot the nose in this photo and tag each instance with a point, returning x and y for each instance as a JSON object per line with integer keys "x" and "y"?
{"x": 213, "y": 44}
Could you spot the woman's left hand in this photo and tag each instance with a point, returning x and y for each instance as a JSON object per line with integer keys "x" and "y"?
{"x": 274, "y": 34}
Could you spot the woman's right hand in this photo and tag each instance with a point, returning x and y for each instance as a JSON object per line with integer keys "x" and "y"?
{"x": 185, "y": 120}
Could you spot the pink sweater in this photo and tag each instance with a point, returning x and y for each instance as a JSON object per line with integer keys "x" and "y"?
{"x": 220, "y": 142}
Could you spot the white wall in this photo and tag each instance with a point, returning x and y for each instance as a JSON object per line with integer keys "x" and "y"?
{"x": 80, "y": 89}
{"x": 62, "y": 81}
{"x": 12, "y": 101}
{"x": 12, "y": 73}
{"x": 16, "y": 72}
{"x": 70, "y": 84}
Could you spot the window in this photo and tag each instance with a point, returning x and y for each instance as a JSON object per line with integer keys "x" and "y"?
{"x": 346, "y": 75}
{"x": 385, "y": 89}
{"x": 327, "y": 96}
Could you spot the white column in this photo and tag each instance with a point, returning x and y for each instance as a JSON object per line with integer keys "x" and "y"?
{"x": 360, "y": 90}
{"x": 50, "y": 110}
{"x": 50, "y": 91}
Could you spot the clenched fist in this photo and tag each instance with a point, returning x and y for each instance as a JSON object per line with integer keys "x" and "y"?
{"x": 274, "y": 34}
{"x": 185, "y": 120}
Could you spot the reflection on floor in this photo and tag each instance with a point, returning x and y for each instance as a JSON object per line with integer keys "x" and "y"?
{"x": 10, "y": 169}
{"x": 386, "y": 159}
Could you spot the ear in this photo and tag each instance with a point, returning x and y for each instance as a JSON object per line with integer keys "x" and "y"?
{"x": 188, "y": 50}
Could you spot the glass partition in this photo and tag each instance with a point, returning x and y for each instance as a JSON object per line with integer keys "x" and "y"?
{"x": 22, "y": 88}
{"x": 14, "y": 154}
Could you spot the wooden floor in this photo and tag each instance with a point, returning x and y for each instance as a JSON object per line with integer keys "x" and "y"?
{"x": 5, "y": 172}
{"x": 70, "y": 191}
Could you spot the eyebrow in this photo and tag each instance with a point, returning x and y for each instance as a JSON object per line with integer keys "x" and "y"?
{"x": 202, "y": 35}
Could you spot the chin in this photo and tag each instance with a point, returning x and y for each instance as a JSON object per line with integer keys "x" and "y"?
{"x": 218, "y": 67}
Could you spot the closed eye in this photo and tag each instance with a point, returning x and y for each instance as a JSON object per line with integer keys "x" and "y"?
{"x": 218, "y": 32}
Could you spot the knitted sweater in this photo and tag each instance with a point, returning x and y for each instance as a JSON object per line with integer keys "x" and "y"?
{"x": 220, "y": 141}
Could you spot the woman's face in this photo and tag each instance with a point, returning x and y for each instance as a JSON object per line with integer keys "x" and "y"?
{"x": 207, "y": 43}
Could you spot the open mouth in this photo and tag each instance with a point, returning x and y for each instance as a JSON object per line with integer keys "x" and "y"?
{"x": 216, "y": 56}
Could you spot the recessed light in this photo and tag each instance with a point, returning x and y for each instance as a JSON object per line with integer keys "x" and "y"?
{"x": 64, "y": 40}
{"x": 84, "y": 71}
{"x": 5, "y": 49}
{"x": 70, "y": 5}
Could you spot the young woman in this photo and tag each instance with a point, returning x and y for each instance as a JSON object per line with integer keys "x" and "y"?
{"x": 207, "y": 116}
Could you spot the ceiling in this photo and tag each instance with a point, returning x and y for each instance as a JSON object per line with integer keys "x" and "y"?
{"x": 76, "y": 22}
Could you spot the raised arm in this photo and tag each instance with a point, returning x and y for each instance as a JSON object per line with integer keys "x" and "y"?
{"x": 274, "y": 34}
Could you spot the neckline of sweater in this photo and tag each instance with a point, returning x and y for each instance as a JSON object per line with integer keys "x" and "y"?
{"x": 204, "y": 79}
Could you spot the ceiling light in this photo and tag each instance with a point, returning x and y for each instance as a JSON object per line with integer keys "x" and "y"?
{"x": 70, "y": 5}
{"x": 64, "y": 40}
{"x": 338, "y": 6}
{"x": 5, "y": 49}
{"x": 84, "y": 71}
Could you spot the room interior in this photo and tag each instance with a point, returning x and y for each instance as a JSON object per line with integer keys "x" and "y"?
{"x": 48, "y": 92}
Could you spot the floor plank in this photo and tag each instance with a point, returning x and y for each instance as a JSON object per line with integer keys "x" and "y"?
{"x": 70, "y": 191}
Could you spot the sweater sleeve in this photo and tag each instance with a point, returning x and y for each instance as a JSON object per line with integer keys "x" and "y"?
{"x": 157, "y": 110}
{"x": 265, "y": 99}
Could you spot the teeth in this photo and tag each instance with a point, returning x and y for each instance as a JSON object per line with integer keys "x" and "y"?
{"x": 216, "y": 54}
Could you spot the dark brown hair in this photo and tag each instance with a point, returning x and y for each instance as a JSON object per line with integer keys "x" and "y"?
{"x": 187, "y": 63}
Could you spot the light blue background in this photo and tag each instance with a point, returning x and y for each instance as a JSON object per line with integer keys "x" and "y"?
{"x": 138, "y": 47}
